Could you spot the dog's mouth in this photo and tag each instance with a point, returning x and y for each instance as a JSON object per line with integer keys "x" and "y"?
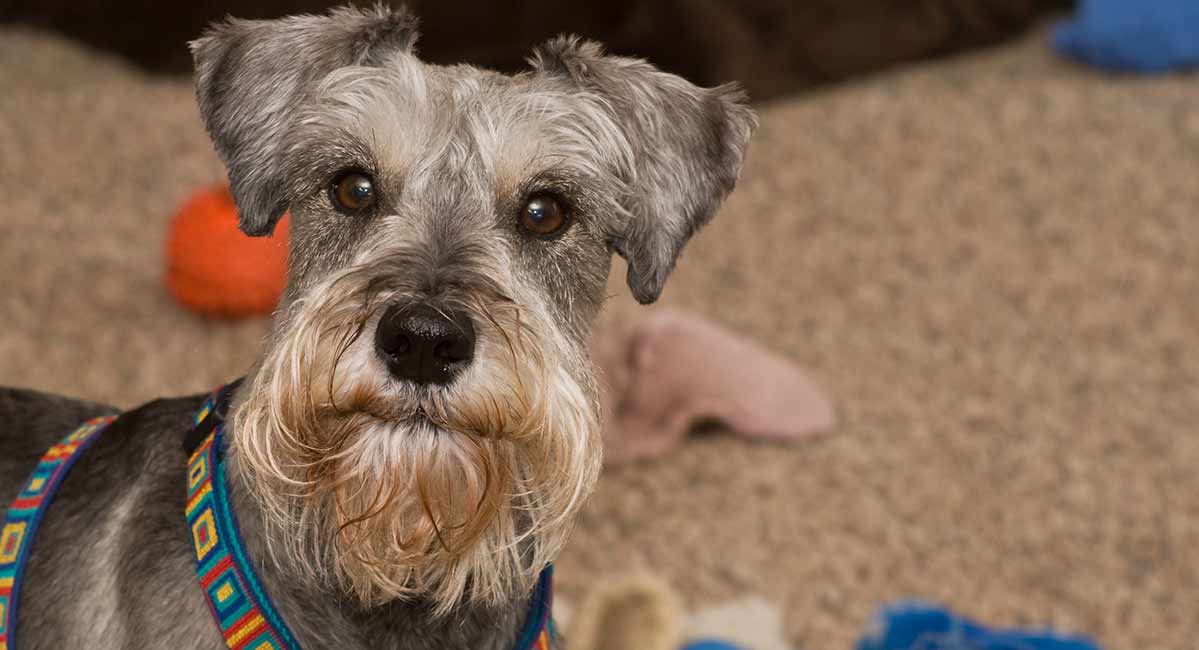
{"x": 420, "y": 418}
{"x": 417, "y": 416}
{"x": 390, "y": 407}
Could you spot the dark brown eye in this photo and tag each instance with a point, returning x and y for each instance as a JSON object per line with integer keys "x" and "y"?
{"x": 352, "y": 192}
{"x": 544, "y": 215}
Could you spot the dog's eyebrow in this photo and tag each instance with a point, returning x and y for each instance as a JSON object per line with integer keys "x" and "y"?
{"x": 318, "y": 153}
{"x": 557, "y": 178}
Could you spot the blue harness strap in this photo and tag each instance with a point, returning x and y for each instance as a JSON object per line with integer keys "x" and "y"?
{"x": 237, "y": 599}
{"x": 25, "y": 514}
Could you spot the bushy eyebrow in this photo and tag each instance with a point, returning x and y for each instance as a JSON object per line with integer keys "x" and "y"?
{"x": 317, "y": 153}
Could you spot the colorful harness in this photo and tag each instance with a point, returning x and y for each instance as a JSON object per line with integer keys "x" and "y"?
{"x": 25, "y": 514}
{"x": 238, "y": 601}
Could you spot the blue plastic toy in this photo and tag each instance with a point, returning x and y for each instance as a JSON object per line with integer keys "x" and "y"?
{"x": 920, "y": 626}
{"x": 1147, "y": 36}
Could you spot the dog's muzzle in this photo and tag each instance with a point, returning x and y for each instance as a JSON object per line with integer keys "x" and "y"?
{"x": 424, "y": 345}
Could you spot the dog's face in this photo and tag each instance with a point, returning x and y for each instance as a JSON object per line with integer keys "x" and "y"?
{"x": 424, "y": 418}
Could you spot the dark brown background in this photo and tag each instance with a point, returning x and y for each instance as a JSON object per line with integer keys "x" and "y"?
{"x": 770, "y": 46}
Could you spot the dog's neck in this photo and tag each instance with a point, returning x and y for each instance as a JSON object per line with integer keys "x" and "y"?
{"x": 322, "y": 616}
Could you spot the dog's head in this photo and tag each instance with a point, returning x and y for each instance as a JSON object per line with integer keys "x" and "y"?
{"x": 423, "y": 420}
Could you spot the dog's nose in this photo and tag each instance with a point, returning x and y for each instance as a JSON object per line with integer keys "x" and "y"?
{"x": 424, "y": 345}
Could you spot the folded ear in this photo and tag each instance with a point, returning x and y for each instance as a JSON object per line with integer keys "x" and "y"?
{"x": 251, "y": 75}
{"x": 687, "y": 144}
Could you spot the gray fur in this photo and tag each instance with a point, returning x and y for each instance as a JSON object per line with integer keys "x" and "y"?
{"x": 688, "y": 142}
{"x": 643, "y": 159}
{"x": 252, "y": 75}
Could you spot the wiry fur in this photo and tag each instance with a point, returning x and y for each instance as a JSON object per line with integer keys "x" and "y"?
{"x": 464, "y": 492}
{"x": 393, "y": 491}
{"x": 399, "y": 515}
{"x": 689, "y": 147}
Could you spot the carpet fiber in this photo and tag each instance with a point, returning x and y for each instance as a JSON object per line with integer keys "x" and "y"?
{"x": 992, "y": 263}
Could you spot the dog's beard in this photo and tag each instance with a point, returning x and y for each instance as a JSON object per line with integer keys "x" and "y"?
{"x": 457, "y": 494}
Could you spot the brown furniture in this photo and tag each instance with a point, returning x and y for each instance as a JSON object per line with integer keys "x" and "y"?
{"x": 770, "y": 46}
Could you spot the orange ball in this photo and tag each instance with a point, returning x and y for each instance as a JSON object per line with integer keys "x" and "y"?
{"x": 216, "y": 269}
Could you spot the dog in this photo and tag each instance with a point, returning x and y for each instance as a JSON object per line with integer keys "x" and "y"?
{"x": 408, "y": 453}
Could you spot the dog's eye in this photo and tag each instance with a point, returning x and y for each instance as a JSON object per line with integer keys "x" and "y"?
{"x": 544, "y": 214}
{"x": 352, "y": 192}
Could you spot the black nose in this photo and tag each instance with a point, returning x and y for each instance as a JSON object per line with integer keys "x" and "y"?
{"x": 424, "y": 345}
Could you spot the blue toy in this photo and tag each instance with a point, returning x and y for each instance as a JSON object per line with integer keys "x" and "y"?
{"x": 709, "y": 645}
{"x": 1147, "y": 36}
{"x": 921, "y": 626}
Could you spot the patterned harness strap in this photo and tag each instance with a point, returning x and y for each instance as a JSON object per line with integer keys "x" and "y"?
{"x": 240, "y": 605}
{"x": 26, "y": 513}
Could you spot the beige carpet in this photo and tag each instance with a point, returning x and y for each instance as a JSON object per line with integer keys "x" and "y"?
{"x": 992, "y": 263}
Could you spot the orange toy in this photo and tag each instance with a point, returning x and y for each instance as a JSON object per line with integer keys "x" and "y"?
{"x": 215, "y": 269}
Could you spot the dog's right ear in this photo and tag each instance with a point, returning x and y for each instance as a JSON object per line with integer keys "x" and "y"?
{"x": 251, "y": 75}
{"x": 687, "y": 145}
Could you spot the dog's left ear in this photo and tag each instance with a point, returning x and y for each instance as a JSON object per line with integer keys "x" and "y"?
{"x": 253, "y": 75}
{"x": 688, "y": 144}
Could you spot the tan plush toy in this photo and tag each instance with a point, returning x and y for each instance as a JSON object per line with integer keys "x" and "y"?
{"x": 672, "y": 369}
{"x": 643, "y": 611}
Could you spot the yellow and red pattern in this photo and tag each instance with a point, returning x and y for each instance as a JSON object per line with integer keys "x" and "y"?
{"x": 25, "y": 514}
{"x": 239, "y": 604}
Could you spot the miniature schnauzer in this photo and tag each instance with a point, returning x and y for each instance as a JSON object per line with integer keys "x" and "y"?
{"x": 410, "y": 449}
